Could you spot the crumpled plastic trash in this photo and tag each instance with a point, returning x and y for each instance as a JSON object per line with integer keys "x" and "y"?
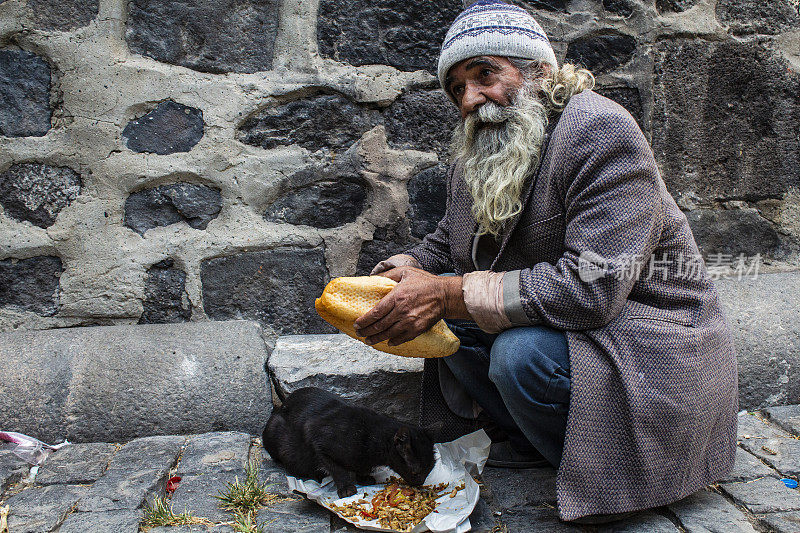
{"x": 32, "y": 451}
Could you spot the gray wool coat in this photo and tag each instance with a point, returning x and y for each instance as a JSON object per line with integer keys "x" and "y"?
{"x": 653, "y": 405}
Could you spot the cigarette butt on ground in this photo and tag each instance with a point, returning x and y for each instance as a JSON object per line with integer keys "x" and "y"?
{"x": 4, "y": 518}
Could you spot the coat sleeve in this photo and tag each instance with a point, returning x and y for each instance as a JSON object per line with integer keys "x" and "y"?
{"x": 433, "y": 253}
{"x": 613, "y": 214}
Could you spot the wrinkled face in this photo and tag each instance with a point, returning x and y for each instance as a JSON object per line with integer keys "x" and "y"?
{"x": 478, "y": 80}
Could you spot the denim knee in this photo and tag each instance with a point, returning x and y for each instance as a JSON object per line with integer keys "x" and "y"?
{"x": 532, "y": 362}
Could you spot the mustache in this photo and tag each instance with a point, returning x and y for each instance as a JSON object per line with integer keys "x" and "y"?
{"x": 492, "y": 113}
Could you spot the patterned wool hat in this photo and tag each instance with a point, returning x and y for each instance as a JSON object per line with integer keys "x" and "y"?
{"x": 494, "y": 28}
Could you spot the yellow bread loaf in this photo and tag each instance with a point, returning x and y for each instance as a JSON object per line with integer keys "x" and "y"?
{"x": 345, "y": 299}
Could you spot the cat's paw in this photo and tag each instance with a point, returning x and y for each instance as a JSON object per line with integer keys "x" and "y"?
{"x": 344, "y": 492}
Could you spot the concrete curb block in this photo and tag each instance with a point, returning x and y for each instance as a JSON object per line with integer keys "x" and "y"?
{"x": 762, "y": 313}
{"x": 116, "y": 383}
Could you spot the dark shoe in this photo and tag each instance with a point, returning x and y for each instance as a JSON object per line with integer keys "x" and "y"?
{"x": 494, "y": 431}
{"x": 596, "y": 519}
{"x": 502, "y": 455}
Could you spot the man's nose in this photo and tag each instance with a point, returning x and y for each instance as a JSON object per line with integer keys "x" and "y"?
{"x": 473, "y": 98}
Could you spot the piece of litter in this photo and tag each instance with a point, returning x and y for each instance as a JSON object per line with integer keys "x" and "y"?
{"x": 4, "y": 518}
{"x": 790, "y": 483}
{"x": 172, "y": 484}
{"x": 769, "y": 450}
{"x": 32, "y": 451}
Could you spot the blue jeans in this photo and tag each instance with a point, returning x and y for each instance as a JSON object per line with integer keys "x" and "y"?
{"x": 521, "y": 379}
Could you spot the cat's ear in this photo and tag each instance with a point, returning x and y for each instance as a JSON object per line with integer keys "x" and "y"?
{"x": 401, "y": 436}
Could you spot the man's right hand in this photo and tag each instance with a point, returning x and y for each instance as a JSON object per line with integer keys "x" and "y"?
{"x": 396, "y": 261}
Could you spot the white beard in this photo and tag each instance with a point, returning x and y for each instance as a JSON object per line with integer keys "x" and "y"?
{"x": 499, "y": 147}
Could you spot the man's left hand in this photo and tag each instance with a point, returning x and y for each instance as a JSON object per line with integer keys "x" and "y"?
{"x": 415, "y": 304}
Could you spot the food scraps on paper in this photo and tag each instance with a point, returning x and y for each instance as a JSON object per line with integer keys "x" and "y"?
{"x": 398, "y": 506}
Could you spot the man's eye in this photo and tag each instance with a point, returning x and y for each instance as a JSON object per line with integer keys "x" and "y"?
{"x": 486, "y": 72}
{"x": 458, "y": 90}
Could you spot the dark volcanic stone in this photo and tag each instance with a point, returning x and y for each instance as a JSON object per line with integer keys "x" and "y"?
{"x": 735, "y": 231}
{"x": 601, "y": 53}
{"x": 328, "y": 121}
{"x": 427, "y": 196}
{"x": 674, "y": 6}
{"x": 24, "y": 93}
{"x": 63, "y": 15}
{"x": 725, "y": 120}
{"x": 627, "y": 97}
{"x": 386, "y": 242}
{"x": 546, "y": 5}
{"x": 405, "y": 35}
{"x": 623, "y": 8}
{"x": 165, "y": 298}
{"x": 171, "y": 127}
{"x": 196, "y": 205}
{"x": 31, "y": 284}
{"x": 37, "y": 193}
{"x": 421, "y": 120}
{"x": 275, "y": 287}
{"x": 324, "y": 204}
{"x": 758, "y": 16}
{"x": 221, "y": 36}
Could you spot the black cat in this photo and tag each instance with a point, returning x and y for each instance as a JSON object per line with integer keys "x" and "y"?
{"x": 315, "y": 433}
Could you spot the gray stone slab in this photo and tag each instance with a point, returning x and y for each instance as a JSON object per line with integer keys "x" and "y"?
{"x": 763, "y": 320}
{"x": 786, "y": 416}
{"x": 710, "y": 512}
{"x": 748, "y": 467}
{"x": 781, "y": 522}
{"x": 754, "y": 427}
{"x": 782, "y": 454}
{"x": 135, "y": 472}
{"x": 519, "y": 488}
{"x": 482, "y": 518}
{"x": 535, "y": 520}
{"x": 216, "y": 528}
{"x": 41, "y": 509}
{"x": 116, "y": 521}
{"x": 76, "y": 464}
{"x": 765, "y": 495}
{"x": 645, "y": 522}
{"x": 196, "y": 494}
{"x": 342, "y": 365}
{"x": 12, "y": 469}
{"x": 215, "y": 452}
{"x": 273, "y": 476}
{"x": 295, "y": 516}
{"x": 115, "y": 383}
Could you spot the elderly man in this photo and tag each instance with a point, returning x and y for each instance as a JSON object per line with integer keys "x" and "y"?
{"x": 590, "y": 331}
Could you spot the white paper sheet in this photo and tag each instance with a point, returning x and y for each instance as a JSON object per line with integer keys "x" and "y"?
{"x": 455, "y": 461}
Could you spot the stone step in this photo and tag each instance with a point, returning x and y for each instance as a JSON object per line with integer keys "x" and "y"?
{"x": 116, "y": 383}
{"x": 762, "y": 313}
{"x": 387, "y": 383}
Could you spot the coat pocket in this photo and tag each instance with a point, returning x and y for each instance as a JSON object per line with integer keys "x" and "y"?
{"x": 550, "y": 227}
{"x": 639, "y": 311}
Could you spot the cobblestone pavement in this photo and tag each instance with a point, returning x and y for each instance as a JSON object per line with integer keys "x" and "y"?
{"x": 101, "y": 487}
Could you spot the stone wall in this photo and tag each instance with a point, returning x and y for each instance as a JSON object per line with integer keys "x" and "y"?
{"x": 175, "y": 160}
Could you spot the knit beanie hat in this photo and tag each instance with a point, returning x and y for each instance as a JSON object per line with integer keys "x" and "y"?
{"x": 494, "y": 28}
